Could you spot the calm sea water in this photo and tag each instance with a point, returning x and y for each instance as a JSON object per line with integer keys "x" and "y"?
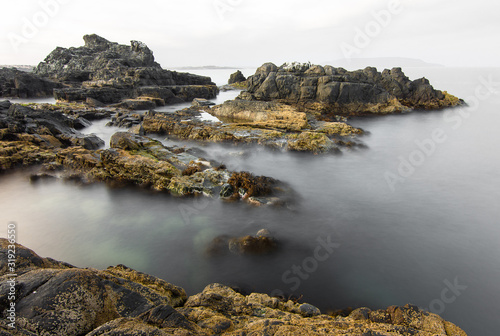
{"x": 413, "y": 218}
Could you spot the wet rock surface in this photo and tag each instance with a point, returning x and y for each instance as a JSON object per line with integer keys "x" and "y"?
{"x": 55, "y": 298}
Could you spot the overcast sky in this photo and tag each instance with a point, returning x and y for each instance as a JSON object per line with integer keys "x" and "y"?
{"x": 251, "y": 32}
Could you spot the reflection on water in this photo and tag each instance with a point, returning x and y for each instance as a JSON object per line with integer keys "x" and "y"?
{"x": 394, "y": 247}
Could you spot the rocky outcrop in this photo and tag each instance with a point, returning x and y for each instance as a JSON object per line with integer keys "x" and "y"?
{"x": 48, "y": 137}
{"x": 278, "y": 126}
{"x": 110, "y": 72}
{"x": 55, "y": 298}
{"x": 338, "y": 91}
{"x": 20, "y": 84}
{"x": 236, "y": 77}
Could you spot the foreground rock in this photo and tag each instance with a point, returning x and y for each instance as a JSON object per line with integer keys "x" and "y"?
{"x": 55, "y": 298}
{"x": 109, "y": 72}
{"x": 336, "y": 91}
{"x": 20, "y": 84}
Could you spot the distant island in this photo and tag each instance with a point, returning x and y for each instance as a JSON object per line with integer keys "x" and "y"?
{"x": 383, "y": 63}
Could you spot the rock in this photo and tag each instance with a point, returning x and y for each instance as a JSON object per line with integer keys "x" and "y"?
{"x": 5, "y": 104}
{"x": 308, "y": 310}
{"x": 236, "y": 77}
{"x": 129, "y": 141}
{"x": 109, "y": 72}
{"x": 262, "y": 114}
{"x": 21, "y": 84}
{"x": 250, "y": 245}
{"x": 55, "y": 298}
{"x": 94, "y": 102}
{"x": 139, "y": 104}
{"x": 137, "y": 129}
{"x": 327, "y": 89}
{"x": 262, "y": 243}
{"x": 202, "y": 102}
{"x": 53, "y": 125}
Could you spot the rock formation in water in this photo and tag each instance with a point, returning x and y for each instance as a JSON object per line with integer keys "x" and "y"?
{"x": 338, "y": 91}
{"x": 46, "y": 135}
{"x": 55, "y": 298}
{"x": 236, "y": 77}
{"x": 111, "y": 73}
{"x": 21, "y": 84}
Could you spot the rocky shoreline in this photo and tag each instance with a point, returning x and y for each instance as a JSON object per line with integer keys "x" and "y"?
{"x": 295, "y": 107}
{"x": 56, "y": 298}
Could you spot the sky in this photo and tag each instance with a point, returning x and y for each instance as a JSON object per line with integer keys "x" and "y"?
{"x": 252, "y": 32}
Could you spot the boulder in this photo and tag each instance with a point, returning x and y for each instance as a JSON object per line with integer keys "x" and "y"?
{"x": 236, "y": 77}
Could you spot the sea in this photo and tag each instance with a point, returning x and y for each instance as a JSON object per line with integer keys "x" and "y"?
{"x": 411, "y": 217}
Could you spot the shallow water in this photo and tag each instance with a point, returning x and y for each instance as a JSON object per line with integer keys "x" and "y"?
{"x": 437, "y": 225}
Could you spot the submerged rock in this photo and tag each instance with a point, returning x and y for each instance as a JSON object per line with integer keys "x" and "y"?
{"x": 55, "y": 298}
{"x": 261, "y": 244}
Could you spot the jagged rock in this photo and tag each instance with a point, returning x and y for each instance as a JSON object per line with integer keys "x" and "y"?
{"x": 109, "y": 72}
{"x": 236, "y": 77}
{"x": 337, "y": 90}
{"x": 21, "y": 84}
{"x": 23, "y": 119}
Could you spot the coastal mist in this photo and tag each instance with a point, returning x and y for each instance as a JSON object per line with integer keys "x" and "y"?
{"x": 412, "y": 217}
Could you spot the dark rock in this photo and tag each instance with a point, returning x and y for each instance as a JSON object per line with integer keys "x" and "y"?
{"x": 202, "y": 102}
{"x": 94, "y": 102}
{"x": 345, "y": 92}
{"x": 308, "y": 310}
{"x": 5, "y": 104}
{"x": 109, "y": 72}
{"x": 15, "y": 83}
{"x": 236, "y": 77}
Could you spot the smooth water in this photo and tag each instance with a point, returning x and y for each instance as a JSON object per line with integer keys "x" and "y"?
{"x": 403, "y": 240}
